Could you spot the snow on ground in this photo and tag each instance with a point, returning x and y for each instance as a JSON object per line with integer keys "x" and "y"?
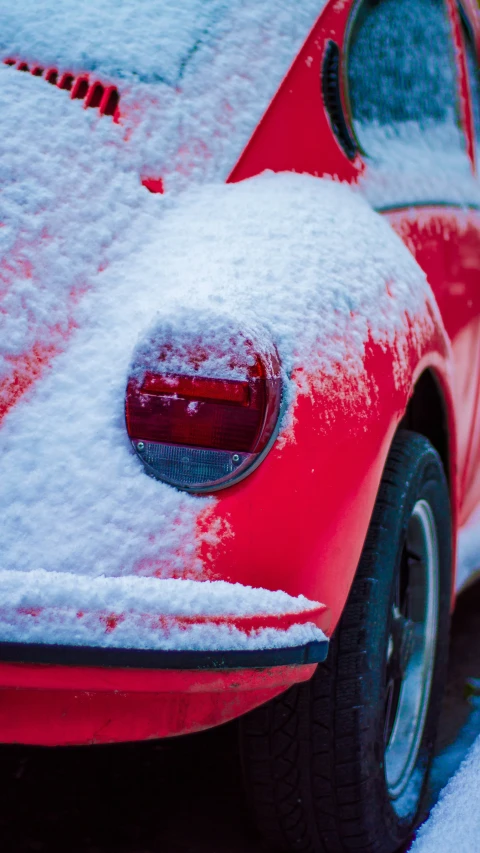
{"x": 468, "y": 559}
{"x": 454, "y": 823}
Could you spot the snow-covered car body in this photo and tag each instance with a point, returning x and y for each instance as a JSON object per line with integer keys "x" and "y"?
{"x": 128, "y": 608}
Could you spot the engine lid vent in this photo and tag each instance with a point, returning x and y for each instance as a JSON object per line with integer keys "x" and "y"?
{"x": 94, "y": 94}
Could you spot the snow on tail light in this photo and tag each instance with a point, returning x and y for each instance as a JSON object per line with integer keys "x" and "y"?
{"x": 201, "y": 417}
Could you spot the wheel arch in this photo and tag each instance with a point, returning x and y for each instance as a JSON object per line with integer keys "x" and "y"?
{"x": 428, "y": 413}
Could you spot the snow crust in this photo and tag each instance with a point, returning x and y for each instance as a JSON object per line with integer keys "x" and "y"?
{"x": 454, "y": 823}
{"x": 299, "y": 259}
{"x": 194, "y": 77}
{"x": 289, "y": 258}
{"x": 144, "y": 41}
{"x": 142, "y": 612}
{"x": 69, "y": 193}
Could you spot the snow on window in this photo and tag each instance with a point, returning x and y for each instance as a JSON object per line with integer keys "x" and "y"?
{"x": 400, "y": 64}
{"x": 474, "y": 80}
{"x": 403, "y": 97}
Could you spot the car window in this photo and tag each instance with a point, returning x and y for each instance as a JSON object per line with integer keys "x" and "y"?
{"x": 402, "y": 86}
{"x": 474, "y": 80}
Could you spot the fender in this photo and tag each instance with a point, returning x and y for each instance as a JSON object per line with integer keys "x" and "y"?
{"x": 299, "y": 522}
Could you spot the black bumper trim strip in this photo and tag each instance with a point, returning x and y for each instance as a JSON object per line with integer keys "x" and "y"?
{"x": 43, "y": 653}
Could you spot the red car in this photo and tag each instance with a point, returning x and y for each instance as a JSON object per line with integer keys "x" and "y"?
{"x": 239, "y": 413}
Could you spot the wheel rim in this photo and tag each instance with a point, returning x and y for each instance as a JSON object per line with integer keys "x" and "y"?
{"x": 411, "y": 651}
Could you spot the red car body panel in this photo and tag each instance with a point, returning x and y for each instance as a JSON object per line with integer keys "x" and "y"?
{"x": 446, "y": 244}
{"x": 57, "y": 705}
{"x": 326, "y": 479}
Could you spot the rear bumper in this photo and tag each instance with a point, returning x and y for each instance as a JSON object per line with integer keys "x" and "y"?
{"x": 118, "y": 659}
{"x": 52, "y": 704}
{"x": 149, "y": 659}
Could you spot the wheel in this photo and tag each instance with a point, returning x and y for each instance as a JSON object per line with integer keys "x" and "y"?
{"x": 341, "y": 762}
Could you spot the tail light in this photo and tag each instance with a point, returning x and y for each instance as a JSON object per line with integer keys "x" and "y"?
{"x": 201, "y": 417}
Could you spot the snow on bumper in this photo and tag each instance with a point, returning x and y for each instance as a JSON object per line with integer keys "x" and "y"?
{"x": 154, "y": 615}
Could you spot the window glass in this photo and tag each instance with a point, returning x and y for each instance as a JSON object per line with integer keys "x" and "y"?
{"x": 402, "y": 81}
{"x": 473, "y": 74}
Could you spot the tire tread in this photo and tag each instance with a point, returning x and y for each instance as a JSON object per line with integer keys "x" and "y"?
{"x": 312, "y": 798}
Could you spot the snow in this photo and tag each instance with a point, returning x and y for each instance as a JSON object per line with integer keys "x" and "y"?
{"x": 447, "y": 762}
{"x": 95, "y": 266}
{"x": 455, "y": 821}
{"x": 172, "y": 597}
{"x": 145, "y": 41}
{"x": 69, "y": 192}
{"x": 415, "y": 85}
{"x": 138, "y": 631}
{"x": 410, "y": 167}
{"x": 468, "y": 551}
{"x": 285, "y": 255}
{"x": 194, "y": 77}
{"x": 145, "y": 613}
{"x": 289, "y": 258}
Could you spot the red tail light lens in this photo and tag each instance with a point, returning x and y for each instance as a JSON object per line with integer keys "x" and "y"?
{"x": 201, "y": 432}
{"x": 198, "y": 388}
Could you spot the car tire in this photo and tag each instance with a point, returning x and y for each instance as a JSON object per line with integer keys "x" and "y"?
{"x": 341, "y": 763}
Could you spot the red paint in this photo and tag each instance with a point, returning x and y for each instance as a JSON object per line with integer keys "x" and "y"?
{"x": 103, "y": 679}
{"x": 66, "y": 82}
{"x": 109, "y": 105}
{"x": 446, "y": 244}
{"x": 318, "y": 615}
{"x": 54, "y": 706}
{"x": 464, "y": 87}
{"x": 295, "y": 134}
{"x": 111, "y": 620}
{"x": 28, "y": 367}
{"x": 52, "y": 76}
{"x": 299, "y": 521}
{"x": 153, "y": 185}
{"x": 316, "y": 526}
